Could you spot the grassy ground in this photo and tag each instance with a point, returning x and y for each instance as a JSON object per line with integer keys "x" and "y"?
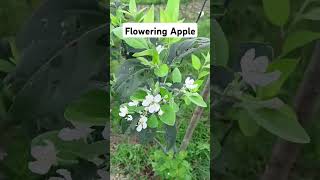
{"x": 129, "y": 160}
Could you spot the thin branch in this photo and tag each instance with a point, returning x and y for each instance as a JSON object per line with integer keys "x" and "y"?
{"x": 199, "y": 16}
{"x": 195, "y": 118}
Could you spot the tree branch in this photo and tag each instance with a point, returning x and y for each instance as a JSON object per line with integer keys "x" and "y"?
{"x": 195, "y": 118}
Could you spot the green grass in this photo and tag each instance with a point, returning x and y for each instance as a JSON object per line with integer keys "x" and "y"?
{"x": 152, "y": 1}
{"x": 130, "y": 160}
{"x": 134, "y": 161}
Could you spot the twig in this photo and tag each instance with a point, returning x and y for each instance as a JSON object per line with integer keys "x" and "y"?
{"x": 199, "y": 16}
{"x": 227, "y": 133}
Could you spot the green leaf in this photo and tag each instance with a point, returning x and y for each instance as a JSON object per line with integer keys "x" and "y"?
{"x": 196, "y": 99}
{"x": 132, "y": 6}
{"x": 138, "y": 43}
{"x": 176, "y": 76}
{"x": 276, "y": 11}
{"x": 149, "y": 17}
{"x": 186, "y": 100}
{"x": 144, "y": 61}
{"x": 203, "y": 74}
{"x": 6, "y": 66}
{"x": 172, "y": 10}
{"x": 247, "y": 125}
{"x": 148, "y": 52}
{"x": 165, "y": 93}
{"x": 313, "y": 14}
{"x": 196, "y": 63}
{"x": 286, "y": 67}
{"x": 169, "y": 116}
{"x": 162, "y": 70}
{"x": 89, "y": 109}
{"x": 220, "y": 45}
{"x": 138, "y": 95}
{"x": 298, "y": 39}
{"x": 282, "y": 122}
{"x": 155, "y": 57}
{"x": 152, "y": 121}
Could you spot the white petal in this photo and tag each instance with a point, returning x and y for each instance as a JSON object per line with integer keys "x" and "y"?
{"x": 122, "y": 114}
{"x": 149, "y": 98}
{"x": 160, "y": 112}
{"x": 65, "y": 173}
{"x": 192, "y": 86}
{"x": 157, "y": 98}
{"x": 143, "y": 119}
{"x": 124, "y": 111}
{"x": 129, "y": 118}
{"x": 152, "y": 108}
{"x": 39, "y": 167}
{"x": 144, "y": 125}
{"x": 187, "y": 80}
{"x": 156, "y": 107}
{"x": 139, "y": 128}
{"x": 133, "y": 103}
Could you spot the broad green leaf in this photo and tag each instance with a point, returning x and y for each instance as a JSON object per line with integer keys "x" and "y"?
{"x": 169, "y": 116}
{"x": 175, "y": 107}
{"x": 176, "y": 75}
{"x": 186, "y": 100}
{"x": 144, "y": 61}
{"x": 277, "y": 11}
{"x": 298, "y": 39}
{"x": 138, "y": 43}
{"x": 155, "y": 57}
{"x": 203, "y": 74}
{"x": 152, "y": 121}
{"x": 196, "y": 63}
{"x": 220, "y": 45}
{"x": 163, "y": 17}
{"x": 6, "y": 66}
{"x": 149, "y": 17}
{"x": 282, "y": 122}
{"x": 89, "y": 109}
{"x": 148, "y": 52}
{"x": 132, "y": 6}
{"x": 138, "y": 95}
{"x": 165, "y": 94}
{"x": 196, "y": 99}
{"x": 247, "y": 125}
{"x": 172, "y": 10}
{"x": 162, "y": 70}
{"x": 286, "y": 67}
{"x": 139, "y": 16}
{"x": 313, "y": 14}
{"x": 114, "y": 20}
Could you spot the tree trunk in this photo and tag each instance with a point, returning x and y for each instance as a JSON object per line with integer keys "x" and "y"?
{"x": 284, "y": 153}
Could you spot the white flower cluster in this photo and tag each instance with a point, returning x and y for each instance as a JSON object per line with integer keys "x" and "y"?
{"x": 151, "y": 105}
{"x": 189, "y": 83}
